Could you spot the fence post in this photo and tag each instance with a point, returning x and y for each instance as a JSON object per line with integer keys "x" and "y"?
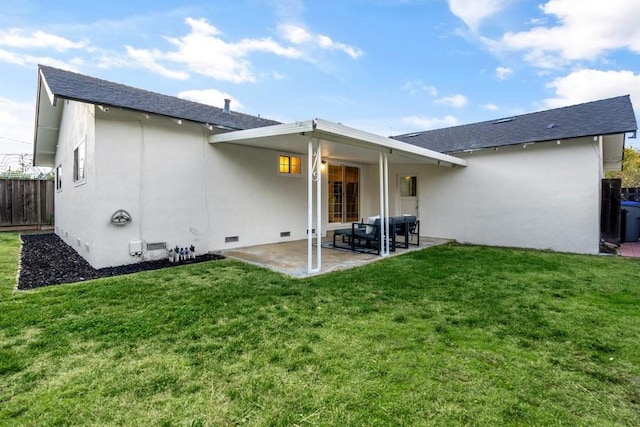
{"x": 38, "y": 206}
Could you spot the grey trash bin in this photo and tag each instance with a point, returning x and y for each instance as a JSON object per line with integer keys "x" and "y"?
{"x": 632, "y": 232}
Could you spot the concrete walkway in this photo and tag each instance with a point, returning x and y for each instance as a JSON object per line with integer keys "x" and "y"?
{"x": 630, "y": 249}
{"x": 291, "y": 257}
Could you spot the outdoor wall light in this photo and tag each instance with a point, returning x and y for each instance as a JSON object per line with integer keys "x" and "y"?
{"x": 323, "y": 164}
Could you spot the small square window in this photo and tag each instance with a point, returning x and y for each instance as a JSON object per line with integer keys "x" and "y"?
{"x": 79, "y": 163}
{"x": 408, "y": 185}
{"x": 290, "y": 165}
{"x": 59, "y": 177}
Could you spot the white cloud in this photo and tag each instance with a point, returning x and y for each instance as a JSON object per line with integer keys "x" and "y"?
{"x": 415, "y": 87}
{"x": 148, "y": 59}
{"x": 426, "y": 123}
{"x": 211, "y": 97}
{"x": 586, "y": 30}
{"x": 295, "y": 34}
{"x": 455, "y": 101}
{"x": 202, "y": 51}
{"x": 503, "y": 72}
{"x": 15, "y": 37}
{"x": 16, "y": 126}
{"x": 32, "y": 61}
{"x": 490, "y": 107}
{"x": 473, "y": 12}
{"x": 590, "y": 85}
{"x": 299, "y": 35}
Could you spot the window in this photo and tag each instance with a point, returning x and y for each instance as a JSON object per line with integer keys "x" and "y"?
{"x": 408, "y": 185}
{"x": 78, "y": 163}
{"x": 59, "y": 177}
{"x": 290, "y": 165}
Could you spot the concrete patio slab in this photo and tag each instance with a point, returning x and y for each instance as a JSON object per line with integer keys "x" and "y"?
{"x": 630, "y": 249}
{"x": 291, "y": 257}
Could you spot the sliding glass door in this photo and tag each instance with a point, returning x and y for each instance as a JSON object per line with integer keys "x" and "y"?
{"x": 344, "y": 194}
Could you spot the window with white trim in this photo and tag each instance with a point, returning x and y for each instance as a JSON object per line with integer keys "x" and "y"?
{"x": 79, "y": 154}
{"x": 59, "y": 178}
{"x": 289, "y": 165}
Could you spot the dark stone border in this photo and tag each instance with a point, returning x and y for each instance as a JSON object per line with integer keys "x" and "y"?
{"x": 47, "y": 260}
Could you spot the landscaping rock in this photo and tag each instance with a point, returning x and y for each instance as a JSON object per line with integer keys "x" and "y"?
{"x": 48, "y": 260}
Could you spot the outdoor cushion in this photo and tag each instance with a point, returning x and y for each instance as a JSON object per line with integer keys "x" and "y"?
{"x": 372, "y": 220}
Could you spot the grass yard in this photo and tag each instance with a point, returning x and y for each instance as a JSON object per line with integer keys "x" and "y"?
{"x": 449, "y": 335}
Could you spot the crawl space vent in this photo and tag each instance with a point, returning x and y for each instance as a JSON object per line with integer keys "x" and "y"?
{"x": 231, "y": 239}
{"x": 285, "y": 234}
{"x": 156, "y": 246}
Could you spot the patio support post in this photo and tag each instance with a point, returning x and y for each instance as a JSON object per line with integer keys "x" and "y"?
{"x": 384, "y": 205}
{"x": 381, "y": 178}
{"x": 313, "y": 174}
{"x": 318, "y": 178}
{"x": 386, "y": 200}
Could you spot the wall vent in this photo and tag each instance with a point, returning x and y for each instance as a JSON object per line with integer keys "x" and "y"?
{"x": 231, "y": 239}
{"x": 313, "y": 230}
{"x": 156, "y": 246}
{"x": 285, "y": 234}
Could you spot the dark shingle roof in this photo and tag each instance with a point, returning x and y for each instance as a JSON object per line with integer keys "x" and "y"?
{"x": 78, "y": 87}
{"x": 604, "y": 117}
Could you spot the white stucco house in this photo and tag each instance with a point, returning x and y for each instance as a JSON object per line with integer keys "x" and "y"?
{"x": 139, "y": 172}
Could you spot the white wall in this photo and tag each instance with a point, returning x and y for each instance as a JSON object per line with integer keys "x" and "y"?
{"x": 154, "y": 168}
{"x": 177, "y": 187}
{"x": 250, "y": 200}
{"x": 74, "y": 202}
{"x": 544, "y": 196}
{"x": 181, "y": 190}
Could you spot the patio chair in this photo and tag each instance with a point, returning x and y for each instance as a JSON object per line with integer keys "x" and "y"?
{"x": 365, "y": 237}
{"x": 407, "y": 226}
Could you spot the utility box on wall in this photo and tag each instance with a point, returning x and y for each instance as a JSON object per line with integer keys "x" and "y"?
{"x": 135, "y": 247}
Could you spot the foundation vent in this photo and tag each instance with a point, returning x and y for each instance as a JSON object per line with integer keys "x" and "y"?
{"x": 285, "y": 234}
{"x": 156, "y": 246}
{"x": 231, "y": 239}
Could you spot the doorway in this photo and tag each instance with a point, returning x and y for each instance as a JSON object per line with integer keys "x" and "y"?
{"x": 344, "y": 194}
{"x": 408, "y": 191}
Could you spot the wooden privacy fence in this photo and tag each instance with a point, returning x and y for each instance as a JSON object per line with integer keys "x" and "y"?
{"x": 631, "y": 193}
{"x": 26, "y": 202}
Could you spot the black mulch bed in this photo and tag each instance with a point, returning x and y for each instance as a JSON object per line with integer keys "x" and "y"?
{"x": 47, "y": 260}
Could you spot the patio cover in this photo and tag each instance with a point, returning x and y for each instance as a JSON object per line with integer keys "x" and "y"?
{"x": 320, "y": 138}
{"x": 338, "y": 141}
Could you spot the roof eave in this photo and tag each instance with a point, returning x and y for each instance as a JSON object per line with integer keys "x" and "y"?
{"x": 45, "y": 135}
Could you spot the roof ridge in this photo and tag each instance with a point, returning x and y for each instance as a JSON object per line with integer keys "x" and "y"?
{"x": 139, "y": 91}
{"x": 512, "y": 117}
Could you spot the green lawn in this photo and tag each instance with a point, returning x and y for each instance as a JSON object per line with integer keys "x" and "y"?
{"x": 448, "y": 335}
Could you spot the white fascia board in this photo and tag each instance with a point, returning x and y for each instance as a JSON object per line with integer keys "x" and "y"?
{"x": 365, "y": 139}
{"x": 330, "y": 131}
{"x": 52, "y": 97}
{"x": 263, "y": 132}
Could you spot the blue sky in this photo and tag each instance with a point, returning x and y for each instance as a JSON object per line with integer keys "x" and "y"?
{"x": 386, "y": 66}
